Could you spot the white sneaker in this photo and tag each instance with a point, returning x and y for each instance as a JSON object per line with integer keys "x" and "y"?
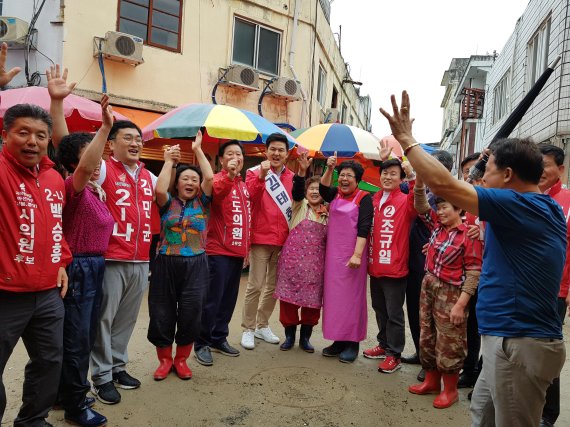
{"x": 248, "y": 340}
{"x": 267, "y": 335}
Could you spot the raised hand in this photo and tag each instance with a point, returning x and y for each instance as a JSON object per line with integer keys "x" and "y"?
{"x": 6, "y": 76}
{"x": 264, "y": 168}
{"x": 408, "y": 169}
{"x": 400, "y": 122}
{"x": 232, "y": 167}
{"x": 106, "y": 112}
{"x": 172, "y": 154}
{"x": 331, "y": 161}
{"x": 57, "y": 83}
{"x": 304, "y": 163}
{"x": 384, "y": 150}
{"x": 197, "y": 143}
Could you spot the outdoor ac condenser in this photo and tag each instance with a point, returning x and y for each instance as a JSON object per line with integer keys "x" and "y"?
{"x": 120, "y": 47}
{"x": 284, "y": 87}
{"x": 13, "y": 31}
{"x": 243, "y": 77}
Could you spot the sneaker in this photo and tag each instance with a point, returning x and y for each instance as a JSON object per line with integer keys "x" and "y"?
{"x": 248, "y": 340}
{"x": 203, "y": 356}
{"x": 267, "y": 335}
{"x": 391, "y": 364}
{"x": 376, "y": 352}
{"x": 226, "y": 349}
{"x": 106, "y": 393}
{"x": 125, "y": 381}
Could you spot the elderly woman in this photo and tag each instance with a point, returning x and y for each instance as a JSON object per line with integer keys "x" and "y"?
{"x": 180, "y": 278}
{"x": 453, "y": 265}
{"x": 300, "y": 268}
{"x": 344, "y": 295}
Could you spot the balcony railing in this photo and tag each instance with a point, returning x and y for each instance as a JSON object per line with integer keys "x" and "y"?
{"x": 472, "y": 104}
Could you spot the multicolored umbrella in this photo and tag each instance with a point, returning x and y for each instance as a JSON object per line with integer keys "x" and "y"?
{"x": 81, "y": 114}
{"x": 222, "y": 122}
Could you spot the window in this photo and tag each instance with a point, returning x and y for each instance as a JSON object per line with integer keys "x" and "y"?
{"x": 537, "y": 52}
{"x": 351, "y": 120}
{"x": 501, "y": 97}
{"x": 256, "y": 46}
{"x": 334, "y": 100}
{"x": 322, "y": 85}
{"x": 157, "y": 22}
{"x": 343, "y": 113}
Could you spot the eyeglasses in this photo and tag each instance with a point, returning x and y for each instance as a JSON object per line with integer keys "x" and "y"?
{"x": 346, "y": 175}
{"x": 130, "y": 138}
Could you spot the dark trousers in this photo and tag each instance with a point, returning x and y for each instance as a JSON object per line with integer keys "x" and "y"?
{"x": 551, "y": 409}
{"x": 388, "y": 296}
{"x": 222, "y": 294}
{"x": 152, "y": 251}
{"x": 413, "y": 289}
{"x": 36, "y": 317}
{"x": 175, "y": 299}
{"x": 471, "y": 363}
{"x": 82, "y": 311}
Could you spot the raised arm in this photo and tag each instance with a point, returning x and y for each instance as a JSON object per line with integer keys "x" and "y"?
{"x": 433, "y": 173}
{"x": 420, "y": 199}
{"x": 326, "y": 179}
{"x": 91, "y": 158}
{"x": 58, "y": 90}
{"x": 205, "y": 166}
{"x": 6, "y": 76}
{"x": 171, "y": 155}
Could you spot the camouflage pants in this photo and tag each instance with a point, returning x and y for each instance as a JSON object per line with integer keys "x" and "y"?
{"x": 443, "y": 345}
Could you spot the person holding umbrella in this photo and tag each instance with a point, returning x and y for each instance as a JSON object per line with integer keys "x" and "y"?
{"x": 345, "y": 311}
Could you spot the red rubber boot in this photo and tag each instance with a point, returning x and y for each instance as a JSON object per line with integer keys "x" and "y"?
{"x": 165, "y": 358}
{"x": 432, "y": 384}
{"x": 180, "y": 366}
{"x": 449, "y": 395}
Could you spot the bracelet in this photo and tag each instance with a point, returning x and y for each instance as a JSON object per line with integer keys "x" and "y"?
{"x": 407, "y": 149}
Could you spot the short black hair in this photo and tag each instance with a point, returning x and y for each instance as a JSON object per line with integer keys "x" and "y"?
{"x": 355, "y": 166}
{"x": 552, "y": 150}
{"x": 123, "y": 124}
{"x": 279, "y": 137}
{"x": 69, "y": 148}
{"x": 521, "y": 155}
{"x": 438, "y": 200}
{"x": 470, "y": 158}
{"x": 444, "y": 157}
{"x": 31, "y": 111}
{"x": 184, "y": 167}
{"x": 393, "y": 162}
{"x": 223, "y": 147}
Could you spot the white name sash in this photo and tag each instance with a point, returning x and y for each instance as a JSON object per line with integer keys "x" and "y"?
{"x": 278, "y": 193}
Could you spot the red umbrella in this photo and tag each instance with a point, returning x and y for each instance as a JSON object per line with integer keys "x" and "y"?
{"x": 81, "y": 114}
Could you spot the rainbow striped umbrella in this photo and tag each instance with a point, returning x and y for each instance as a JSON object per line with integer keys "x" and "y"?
{"x": 346, "y": 140}
{"x": 222, "y": 122}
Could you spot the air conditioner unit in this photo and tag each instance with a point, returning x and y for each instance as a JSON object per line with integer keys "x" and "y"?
{"x": 13, "y": 31}
{"x": 120, "y": 47}
{"x": 243, "y": 77}
{"x": 284, "y": 87}
{"x": 331, "y": 115}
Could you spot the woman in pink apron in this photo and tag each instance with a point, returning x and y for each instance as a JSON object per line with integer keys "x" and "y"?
{"x": 301, "y": 263}
{"x": 344, "y": 295}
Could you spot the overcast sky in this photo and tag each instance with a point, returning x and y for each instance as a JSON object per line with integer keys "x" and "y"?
{"x": 409, "y": 44}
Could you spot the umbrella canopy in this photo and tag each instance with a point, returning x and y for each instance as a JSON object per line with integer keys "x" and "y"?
{"x": 81, "y": 114}
{"x": 222, "y": 122}
{"x": 347, "y": 141}
{"x": 394, "y": 145}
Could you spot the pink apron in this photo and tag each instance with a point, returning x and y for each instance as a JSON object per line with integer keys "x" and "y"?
{"x": 345, "y": 313}
{"x": 301, "y": 265}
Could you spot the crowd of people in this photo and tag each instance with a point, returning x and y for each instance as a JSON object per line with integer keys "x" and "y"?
{"x": 480, "y": 265}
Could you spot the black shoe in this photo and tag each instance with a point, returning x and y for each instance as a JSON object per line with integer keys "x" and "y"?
{"x": 226, "y": 349}
{"x": 304, "y": 343}
{"x": 87, "y": 403}
{"x": 125, "y": 381}
{"x": 412, "y": 359}
{"x": 545, "y": 423}
{"x": 106, "y": 393}
{"x": 86, "y": 418}
{"x": 466, "y": 380}
{"x": 422, "y": 375}
{"x": 46, "y": 424}
{"x": 350, "y": 353}
{"x": 334, "y": 349}
{"x": 470, "y": 395}
{"x": 290, "y": 334}
{"x": 203, "y": 356}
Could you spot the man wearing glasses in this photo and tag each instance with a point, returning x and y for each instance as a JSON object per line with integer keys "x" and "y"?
{"x": 129, "y": 190}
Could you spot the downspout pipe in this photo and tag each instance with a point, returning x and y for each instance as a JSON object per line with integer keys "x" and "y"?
{"x": 292, "y": 61}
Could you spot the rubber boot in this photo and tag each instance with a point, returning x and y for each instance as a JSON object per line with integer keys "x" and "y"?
{"x": 180, "y": 366}
{"x": 449, "y": 395}
{"x": 290, "y": 333}
{"x": 350, "y": 352}
{"x": 165, "y": 358}
{"x": 431, "y": 384}
{"x": 304, "y": 343}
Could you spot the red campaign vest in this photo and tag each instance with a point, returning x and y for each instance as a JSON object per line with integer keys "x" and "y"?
{"x": 129, "y": 202}
{"x": 389, "y": 247}
{"x": 562, "y": 196}
{"x": 230, "y": 217}
{"x": 33, "y": 245}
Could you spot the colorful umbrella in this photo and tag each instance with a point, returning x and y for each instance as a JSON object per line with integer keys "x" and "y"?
{"x": 81, "y": 114}
{"x": 222, "y": 122}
